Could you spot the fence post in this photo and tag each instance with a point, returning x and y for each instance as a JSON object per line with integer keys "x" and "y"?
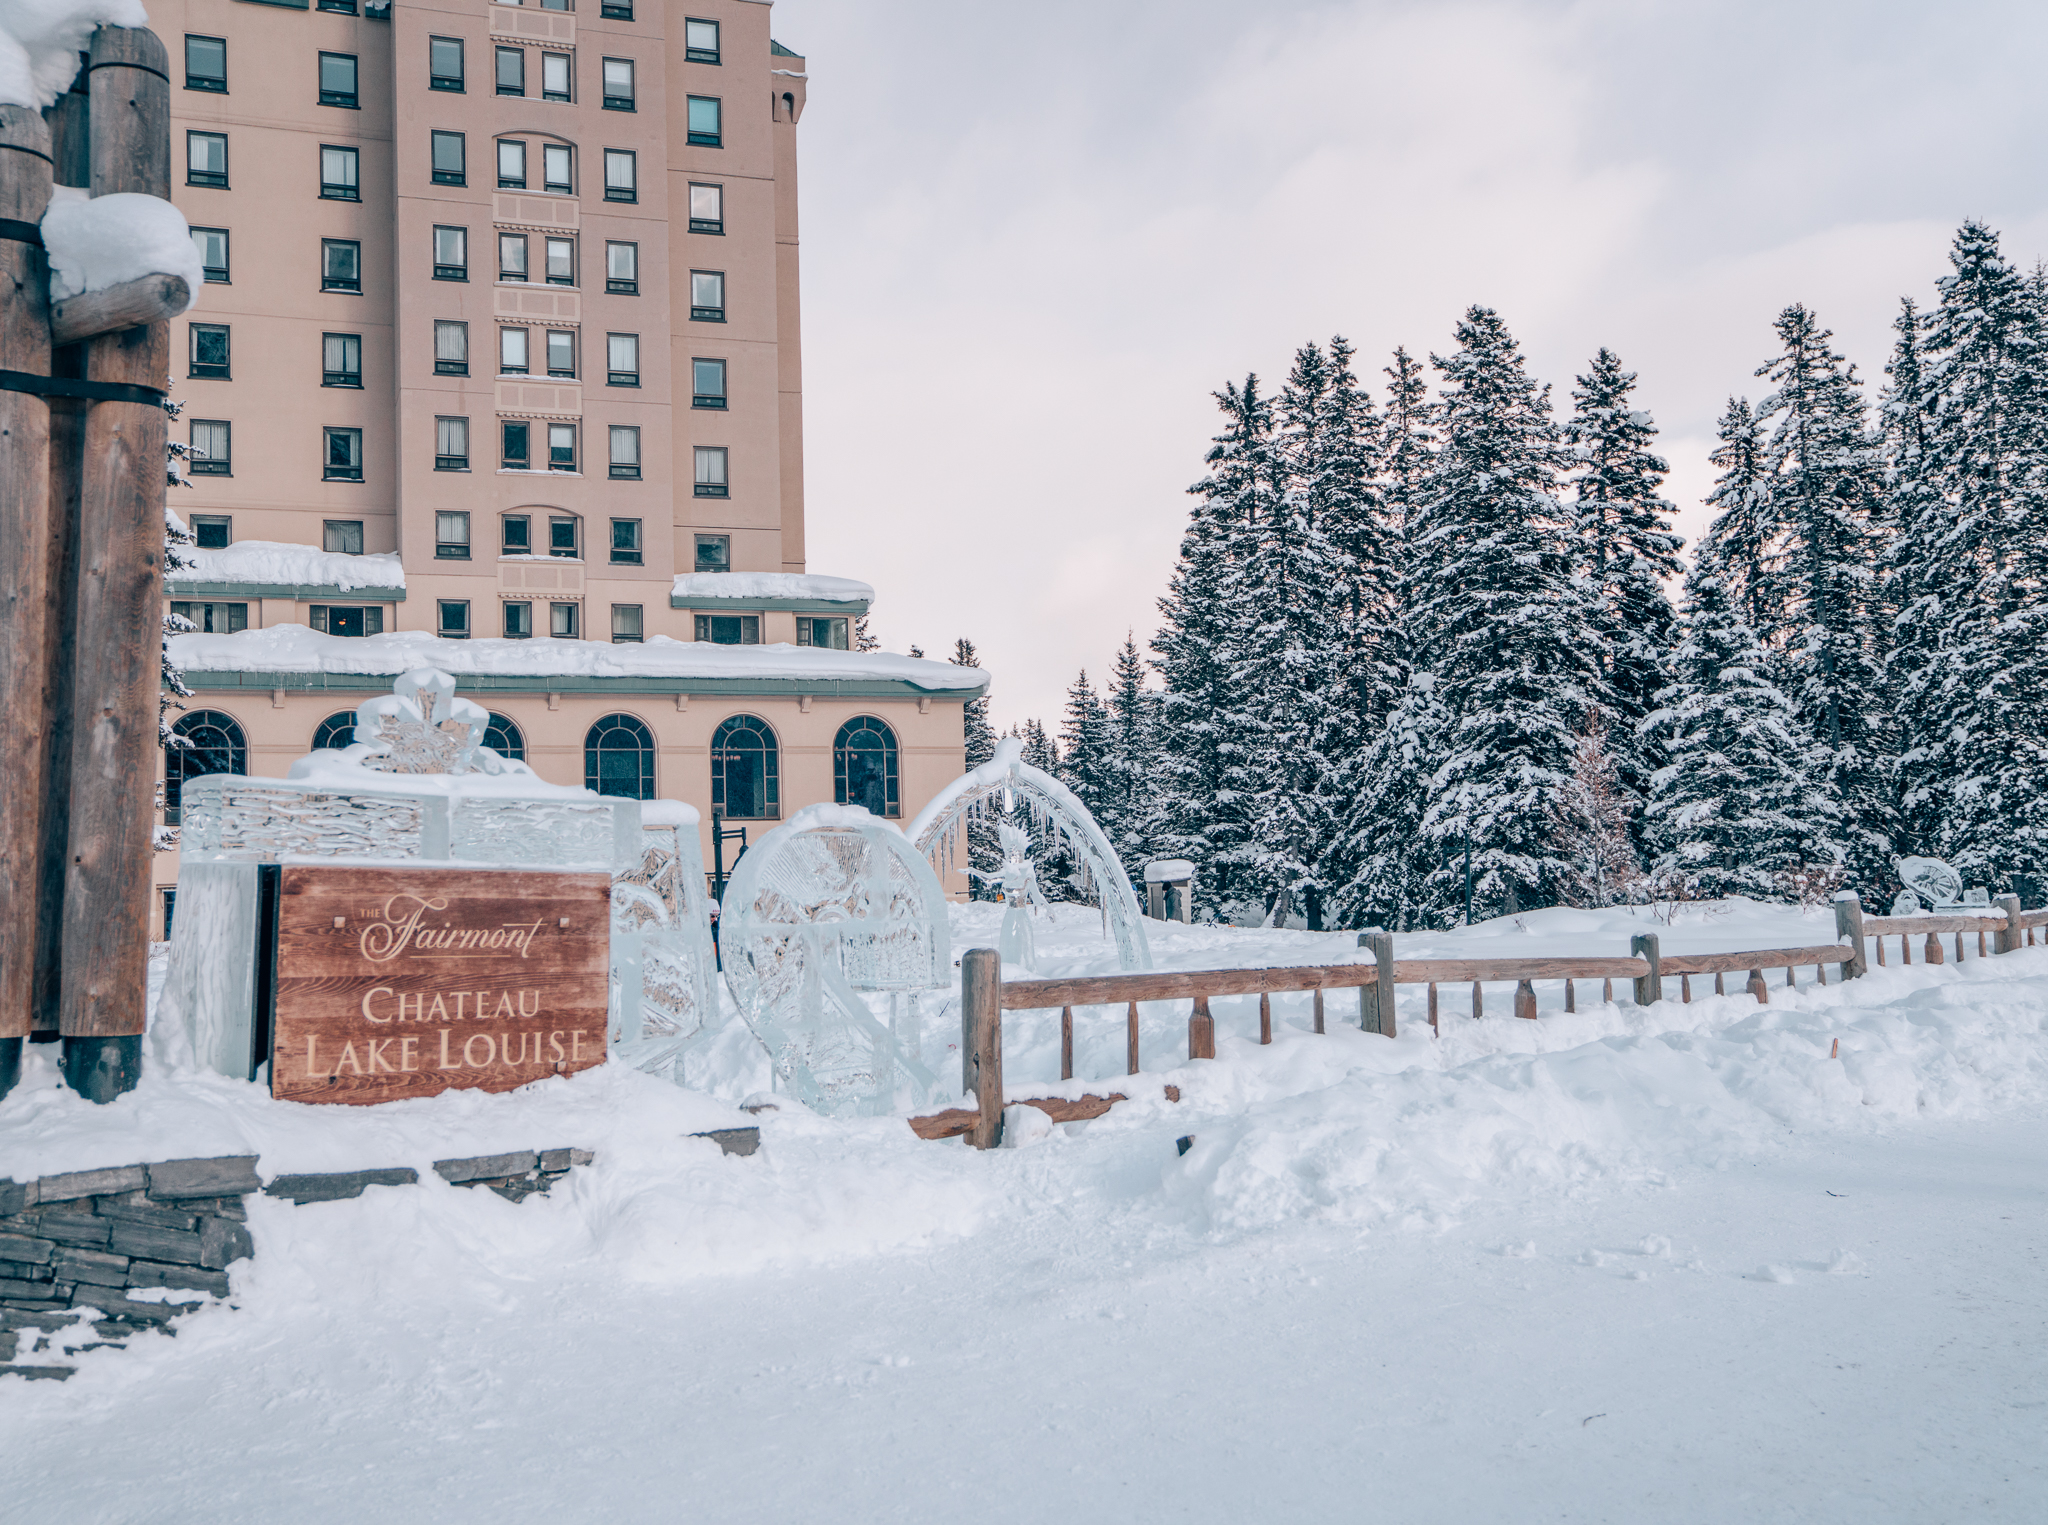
{"x": 1201, "y": 1030}
{"x": 2008, "y": 936}
{"x": 1378, "y": 1015}
{"x": 1649, "y": 987}
{"x": 1849, "y": 924}
{"x": 981, "y": 1042}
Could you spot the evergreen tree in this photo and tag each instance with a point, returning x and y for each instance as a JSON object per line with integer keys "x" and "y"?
{"x": 1039, "y": 749}
{"x": 863, "y": 638}
{"x": 981, "y": 736}
{"x": 1740, "y": 501}
{"x": 1389, "y": 861}
{"x": 1407, "y": 441}
{"x": 984, "y": 842}
{"x": 1131, "y": 759}
{"x": 1502, "y": 622}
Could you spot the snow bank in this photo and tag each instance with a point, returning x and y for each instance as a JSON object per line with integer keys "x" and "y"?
{"x": 295, "y": 648}
{"x": 40, "y": 41}
{"x": 723, "y": 585}
{"x": 277, "y": 561}
{"x": 99, "y": 241}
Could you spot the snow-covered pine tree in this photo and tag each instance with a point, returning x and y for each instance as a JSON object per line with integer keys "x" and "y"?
{"x": 1390, "y": 863}
{"x": 1740, "y": 502}
{"x": 1628, "y": 551}
{"x": 1818, "y": 596}
{"x": 1131, "y": 762}
{"x": 1912, "y": 520}
{"x": 984, "y": 844}
{"x": 1597, "y": 825}
{"x": 863, "y": 638}
{"x": 1407, "y": 441}
{"x": 1503, "y": 622}
{"x": 1736, "y": 804}
{"x": 1039, "y": 749}
{"x": 1085, "y": 761}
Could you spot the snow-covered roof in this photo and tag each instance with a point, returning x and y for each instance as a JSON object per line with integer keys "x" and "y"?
{"x": 277, "y": 569}
{"x": 658, "y": 665}
{"x": 769, "y": 590}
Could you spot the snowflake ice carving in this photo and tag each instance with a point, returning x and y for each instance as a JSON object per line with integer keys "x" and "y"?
{"x": 421, "y": 727}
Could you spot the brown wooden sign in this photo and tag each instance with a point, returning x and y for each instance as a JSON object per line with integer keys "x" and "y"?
{"x": 397, "y": 982}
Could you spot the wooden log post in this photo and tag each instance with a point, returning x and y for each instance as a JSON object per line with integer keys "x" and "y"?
{"x": 1376, "y": 1001}
{"x": 1571, "y": 996}
{"x": 1265, "y": 1017}
{"x": 1934, "y": 954}
{"x": 1525, "y": 1000}
{"x": 120, "y": 610}
{"x": 1131, "y": 1039}
{"x": 1319, "y": 1008}
{"x": 1685, "y": 989}
{"x": 1201, "y": 1030}
{"x": 1720, "y": 988}
{"x": 1607, "y": 991}
{"x": 981, "y": 1043}
{"x": 1066, "y": 1043}
{"x": 1758, "y": 989}
{"x": 1650, "y": 986}
{"x": 1478, "y": 1001}
{"x": 2006, "y": 939}
{"x": 25, "y": 632}
{"x": 1432, "y": 1008}
{"x": 1849, "y": 928}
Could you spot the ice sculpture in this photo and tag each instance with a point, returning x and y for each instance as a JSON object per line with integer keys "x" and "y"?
{"x": 830, "y": 906}
{"x": 998, "y": 787}
{"x": 1938, "y": 884}
{"x": 417, "y": 785}
{"x": 1018, "y": 881}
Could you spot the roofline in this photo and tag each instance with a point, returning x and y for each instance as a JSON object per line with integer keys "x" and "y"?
{"x": 556, "y": 683}
{"x": 303, "y": 592}
{"x": 852, "y": 606}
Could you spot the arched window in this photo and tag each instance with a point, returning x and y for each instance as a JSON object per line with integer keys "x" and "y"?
{"x": 337, "y": 731}
{"x": 864, "y": 766}
{"x": 216, "y": 746}
{"x": 745, "y": 775}
{"x": 505, "y": 738}
{"x": 618, "y": 758}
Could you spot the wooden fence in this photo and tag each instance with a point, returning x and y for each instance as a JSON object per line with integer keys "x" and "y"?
{"x": 985, "y": 996}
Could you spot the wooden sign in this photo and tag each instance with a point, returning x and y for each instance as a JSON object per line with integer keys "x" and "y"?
{"x": 397, "y": 982}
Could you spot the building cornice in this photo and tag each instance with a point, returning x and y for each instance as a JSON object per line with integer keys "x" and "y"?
{"x": 302, "y": 592}
{"x": 505, "y": 683}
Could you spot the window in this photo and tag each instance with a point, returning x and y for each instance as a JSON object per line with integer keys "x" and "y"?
{"x": 562, "y": 535}
{"x": 341, "y": 360}
{"x": 515, "y": 455}
{"x": 451, "y": 348}
{"x": 622, "y": 360}
{"x": 451, "y": 531}
{"x": 711, "y": 481}
{"x": 618, "y": 84}
{"x": 344, "y": 537}
{"x": 562, "y": 621}
{"x": 618, "y": 758}
{"x": 451, "y": 453}
{"x": 707, "y": 383}
{"x": 346, "y": 619}
{"x": 206, "y": 159}
{"x": 562, "y": 353}
{"x": 339, "y": 174}
{"x": 451, "y": 254}
{"x": 444, "y": 63}
{"x": 511, "y": 256}
{"x": 518, "y": 535}
{"x": 212, "y": 244}
{"x": 512, "y": 352}
{"x": 621, "y": 175}
{"x": 214, "y": 744}
{"x": 828, "y": 632}
{"x": 626, "y": 542}
{"x": 555, "y": 169}
{"x": 561, "y": 261}
{"x": 450, "y": 156}
{"x": 729, "y": 629}
{"x": 714, "y": 553}
{"x": 704, "y": 119}
{"x": 744, "y": 783}
{"x": 503, "y": 736}
{"x": 213, "y": 532}
{"x": 864, "y": 766}
{"x": 336, "y": 731}
{"x": 554, "y": 76}
{"x": 707, "y": 208}
{"x": 511, "y": 71}
{"x": 707, "y": 296}
{"x": 453, "y": 621}
{"x": 209, "y": 351}
{"x": 212, "y": 451}
{"x": 700, "y": 41}
{"x": 343, "y": 461}
{"x": 206, "y": 64}
{"x": 622, "y": 269}
{"x": 341, "y": 7}
{"x": 338, "y": 80}
{"x": 519, "y": 621}
{"x": 511, "y": 164}
{"x": 611, "y": 10}
{"x": 625, "y": 623}
{"x": 213, "y": 619}
{"x": 341, "y": 265}
{"x": 625, "y": 456}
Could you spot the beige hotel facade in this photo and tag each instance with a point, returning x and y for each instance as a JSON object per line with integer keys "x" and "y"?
{"x": 498, "y": 368}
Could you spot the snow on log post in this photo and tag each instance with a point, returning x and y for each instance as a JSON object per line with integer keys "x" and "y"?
{"x": 1649, "y": 985}
{"x": 2006, "y": 939}
{"x": 981, "y": 1043}
{"x": 25, "y": 633}
{"x": 120, "y": 612}
{"x": 1376, "y": 1001}
{"x": 1849, "y": 925}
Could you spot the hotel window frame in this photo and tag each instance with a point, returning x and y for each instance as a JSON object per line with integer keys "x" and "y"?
{"x": 633, "y": 617}
{"x": 844, "y": 752}
{"x": 702, "y": 284}
{"x": 807, "y": 632}
{"x": 210, "y": 179}
{"x": 203, "y": 460}
{"x": 322, "y": 617}
{"x": 511, "y": 431}
{"x": 207, "y": 270}
{"x": 456, "y": 83}
{"x": 451, "y": 334}
{"x": 336, "y": 535}
{"x": 738, "y": 736}
{"x": 451, "y": 240}
{"x": 715, "y": 201}
{"x": 511, "y": 164}
{"x": 515, "y": 339}
{"x": 345, "y": 470}
{"x": 624, "y": 441}
{"x": 707, "y": 627}
{"x": 692, "y": 53}
{"x": 622, "y": 285}
{"x": 523, "y": 276}
{"x": 565, "y": 537}
{"x": 700, "y": 397}
{"x": 351, "y": 285}
{"x": 610, "y": 71}
{"x": 451, "y": 531}
{"x": 506, "y": 545}
{"x": 234, "y": 615}
{"x": 344, "y": 159}
{"x": 231, "y": 749}
{"x": 621, "y": 175}
{"x": 706, "y": 483}
{"x": 517, "y": 57}
{"x": 209, "y": 370}
{"x": 348, "y": 67}
{"x": 721, "y": 545}
{"x": 563, "y": 621}
{"x": 458, "y": 630}
{"x": 616, "y": 10}
{"x": 617, "y": 348}
{"x": 707, "y": 136}
{"x": 516, "y": 619}
{"x": 563, "y": 64}
{"x": 448, "y": 156}
{"x": 213, "y": 532}
{"x": 335, "y": 353}
{"x": 451, "y": 453}
{"x": 504, "y": 737}
{"x": 549, "y": 247}
{"x": 554, "y": 157}
{"x": 559, "y": 349}
{"x": 212, "y": 84}
{"x": 627, "y": 738}
{"x": 626, "y": 549}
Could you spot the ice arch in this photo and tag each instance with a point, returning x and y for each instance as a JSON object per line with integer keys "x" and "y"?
{"x": 1007, "y": 782}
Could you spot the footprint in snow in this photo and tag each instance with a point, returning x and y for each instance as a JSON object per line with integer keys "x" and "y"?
{"x": 1782, "y": 1275}
{"x": 1846, "y": 1263}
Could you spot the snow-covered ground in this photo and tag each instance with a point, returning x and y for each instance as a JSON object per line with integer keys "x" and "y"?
{"x": 1623, "y": 1264}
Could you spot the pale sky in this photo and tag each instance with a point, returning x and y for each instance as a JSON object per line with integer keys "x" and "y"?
{"x": 1037, "y": 237}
